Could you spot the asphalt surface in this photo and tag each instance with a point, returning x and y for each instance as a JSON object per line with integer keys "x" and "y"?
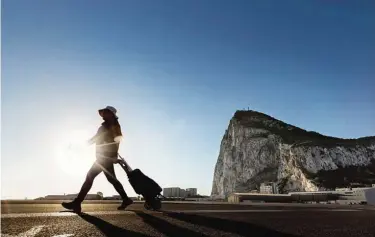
{"x": 188, "y": 219}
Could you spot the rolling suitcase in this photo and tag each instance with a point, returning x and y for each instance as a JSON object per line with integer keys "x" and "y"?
{"x": 143, "y": 185}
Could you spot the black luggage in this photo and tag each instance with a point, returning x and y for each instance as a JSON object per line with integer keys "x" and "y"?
{"x": 143, "y": 185}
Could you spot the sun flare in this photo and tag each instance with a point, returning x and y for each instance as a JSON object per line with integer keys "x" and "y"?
{"x": 73, "y": 155}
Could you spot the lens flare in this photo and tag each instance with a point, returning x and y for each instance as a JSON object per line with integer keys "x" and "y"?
{"x": 73, "y": 154}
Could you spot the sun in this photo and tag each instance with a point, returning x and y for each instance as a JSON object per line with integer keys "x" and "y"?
{"x": 73, "y": 154}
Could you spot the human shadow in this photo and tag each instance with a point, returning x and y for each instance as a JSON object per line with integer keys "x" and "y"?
{"x": 165, "y": 227}
{"x": 108, "y": 229}
{"x": 231, "y": 226}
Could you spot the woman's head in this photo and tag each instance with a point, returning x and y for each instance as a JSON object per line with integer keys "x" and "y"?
{"x": 108, "y": 113}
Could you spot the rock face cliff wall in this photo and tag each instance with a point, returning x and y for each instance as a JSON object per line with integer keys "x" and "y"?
{"x": 257, "y": 148}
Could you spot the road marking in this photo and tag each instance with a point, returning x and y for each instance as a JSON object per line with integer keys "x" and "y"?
{"x": 34, "y": 231}
{"x": 61, "y": 214}
{"x": 30, "y": 233}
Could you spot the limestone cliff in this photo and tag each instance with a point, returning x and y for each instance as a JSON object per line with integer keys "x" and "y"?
{"x": 257, "y": 148}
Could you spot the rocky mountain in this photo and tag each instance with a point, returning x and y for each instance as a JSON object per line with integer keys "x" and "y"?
{"x": 257, "y": 148}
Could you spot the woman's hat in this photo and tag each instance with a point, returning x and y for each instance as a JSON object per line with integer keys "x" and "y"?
{"x": 110, "y": 108}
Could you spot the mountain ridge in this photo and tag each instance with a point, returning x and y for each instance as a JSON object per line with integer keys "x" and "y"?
{"x": 242, "y": 116}
{"x": 258, "y": 148}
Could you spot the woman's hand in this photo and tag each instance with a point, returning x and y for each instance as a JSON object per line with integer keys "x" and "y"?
{"x": 118, "y": 161}
{"x": 91, "y": 141}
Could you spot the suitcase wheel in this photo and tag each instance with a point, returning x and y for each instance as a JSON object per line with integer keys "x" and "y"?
{"x": 153, "y": 204}
{"x": 147, "y": 206}
{"x": 156, "y": 204}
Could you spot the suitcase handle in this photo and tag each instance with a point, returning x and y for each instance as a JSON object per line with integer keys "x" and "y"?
{"x": 125, "y": 165}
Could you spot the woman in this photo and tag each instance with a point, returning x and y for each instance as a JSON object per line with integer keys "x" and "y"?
{"x": 107, "y": 141}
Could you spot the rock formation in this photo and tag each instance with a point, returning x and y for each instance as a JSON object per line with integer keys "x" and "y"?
{"x": 257, "y": 148}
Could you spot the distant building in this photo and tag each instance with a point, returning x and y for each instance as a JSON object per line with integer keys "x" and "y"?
{"x": 259, "y": 197}
{"x": 268, "y": 188}
{"x": 182, "y": 193}
{"x": 191, "y": 192}
{"x": 118, "y": 197}
{"x": 342, "y": 189}
{"x": 174, "y": 192}
{"x": 359, "y": 193}
{"x": 354, "y": 192}
{"x": 340, "y": 195}
{"x": 93, "y": 197}
{"x": 171, "y": 192}
{"x": 98, "y": 196}
{"x": 113, "y": 197}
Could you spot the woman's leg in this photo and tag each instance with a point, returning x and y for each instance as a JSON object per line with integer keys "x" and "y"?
{"x": 75, "y": 205}
{"x": 91, "y": 175}
{"x": 109, "y": 173}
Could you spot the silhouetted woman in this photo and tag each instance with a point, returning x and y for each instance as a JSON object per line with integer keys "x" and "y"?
{"x": 107, "y": 141}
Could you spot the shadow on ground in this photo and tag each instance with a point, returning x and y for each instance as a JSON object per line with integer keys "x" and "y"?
{"x": 165, "y": 227}
{"x": 230, "y": 226}
{"x": 108, "y": 229}
{"x": 168, "y": 229}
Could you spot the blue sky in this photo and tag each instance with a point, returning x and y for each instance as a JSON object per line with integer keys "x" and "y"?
{"x": 176, "y": 71}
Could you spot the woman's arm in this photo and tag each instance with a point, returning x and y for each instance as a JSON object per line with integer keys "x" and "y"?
{"x": 95, "y": 137}
{"x": 92, "y": 140}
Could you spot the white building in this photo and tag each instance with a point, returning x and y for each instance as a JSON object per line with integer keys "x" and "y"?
{"x": 174, "y": 192}
{"x": 269, "y": 188}
{"x": 342, "y": 189}
{"x": 340, "y": 195}
{"x": 353, "y": 193}
{"x": 177, "y": 192}
{"x": 265, "y": 189}
{"x": 359, "y": 193}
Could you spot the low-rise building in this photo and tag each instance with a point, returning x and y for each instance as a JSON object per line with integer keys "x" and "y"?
{"x": 270, "y": 188}
{"x": 259, "y": 197}
{"x": 176, "y": 192}
{"x": 191, "y": 192}
{"x": 342, "y": 189}
{"x": 173, "y": 192}
{"x": 98, "y": 196}
{"x": 351, "y": 196}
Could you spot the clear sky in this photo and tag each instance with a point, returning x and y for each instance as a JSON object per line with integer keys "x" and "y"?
{"x": 176, "y": 71}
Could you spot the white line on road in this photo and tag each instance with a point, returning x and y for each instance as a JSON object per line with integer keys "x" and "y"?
{"x": 30, "y": 233}
{"x": 61, "y": 214}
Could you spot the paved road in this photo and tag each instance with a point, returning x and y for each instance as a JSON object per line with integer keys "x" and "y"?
{"x": 30, "y": 220}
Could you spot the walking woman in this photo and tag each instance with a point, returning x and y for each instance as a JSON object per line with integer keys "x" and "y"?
{"x": 107, "y": 140}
